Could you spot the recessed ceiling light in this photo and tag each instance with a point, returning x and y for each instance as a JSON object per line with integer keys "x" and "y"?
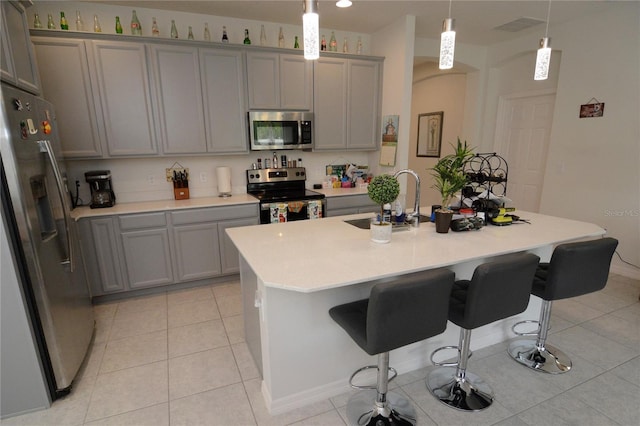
{"x": 343, "y": 3}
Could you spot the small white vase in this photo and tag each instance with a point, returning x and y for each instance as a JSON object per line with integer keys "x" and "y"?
{"x": 380, "y": 232}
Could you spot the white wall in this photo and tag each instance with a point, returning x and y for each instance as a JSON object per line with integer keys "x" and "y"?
{"x": 593, "y": 172}
{"x": 593, "y": 168}
{"x": 435, "y": 91}
{"x": 395, "y": 44}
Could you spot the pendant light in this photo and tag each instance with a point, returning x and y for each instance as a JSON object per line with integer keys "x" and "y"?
{"x": 447, "y": 42}
{"x": 543, "y": 58}
{"x": 343, "y": 3}
{"x": 311, "y": 29}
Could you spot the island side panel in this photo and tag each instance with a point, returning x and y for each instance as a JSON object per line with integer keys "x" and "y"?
{"x": 252, "y": 323}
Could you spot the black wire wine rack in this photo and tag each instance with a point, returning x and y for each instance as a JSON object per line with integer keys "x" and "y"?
{"x": 487, "y": 174}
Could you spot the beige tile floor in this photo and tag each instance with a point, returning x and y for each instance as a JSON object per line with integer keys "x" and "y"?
{"x": 179, "y": 358}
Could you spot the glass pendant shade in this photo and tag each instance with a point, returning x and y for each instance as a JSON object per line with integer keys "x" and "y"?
{"x": 311, "y": 30}
{"x": 447, "y": 44}
{"x": 543, "y": 58}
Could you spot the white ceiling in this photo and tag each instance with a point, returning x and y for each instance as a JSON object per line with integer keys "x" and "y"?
{"x": 475, "y": 19}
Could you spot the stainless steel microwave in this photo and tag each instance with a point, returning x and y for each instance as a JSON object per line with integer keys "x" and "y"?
{"x": 269, "y": 130}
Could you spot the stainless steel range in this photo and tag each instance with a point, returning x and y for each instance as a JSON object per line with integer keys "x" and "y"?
{"x": 283, "y": 196}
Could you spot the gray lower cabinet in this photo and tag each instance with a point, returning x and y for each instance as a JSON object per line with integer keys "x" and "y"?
{"x": 101, "y": 249}
{"x": 350, "y": 204}
{"x": 137, "y": 251}
{"x": 197, "y": 251}
{"x": 145, "y": 242}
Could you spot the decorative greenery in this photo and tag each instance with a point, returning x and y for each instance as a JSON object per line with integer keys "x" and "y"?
{"x": 383, "y": 189}
{"x": 449, "y": 175}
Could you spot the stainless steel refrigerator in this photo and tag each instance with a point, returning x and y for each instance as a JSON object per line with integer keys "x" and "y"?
{"x": 42, "y": 240}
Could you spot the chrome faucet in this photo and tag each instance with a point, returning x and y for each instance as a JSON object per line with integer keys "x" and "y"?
{"x": 414, "y": 217}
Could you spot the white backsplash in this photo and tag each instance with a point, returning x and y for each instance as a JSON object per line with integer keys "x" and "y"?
{"x": 144, "y": 179}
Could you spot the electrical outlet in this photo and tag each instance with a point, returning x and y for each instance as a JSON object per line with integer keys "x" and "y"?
{"x": 203, "y": 177}
{"x": 151, "y": 180}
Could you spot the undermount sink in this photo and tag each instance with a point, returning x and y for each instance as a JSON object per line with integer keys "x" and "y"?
{"x": 365, "y": 222}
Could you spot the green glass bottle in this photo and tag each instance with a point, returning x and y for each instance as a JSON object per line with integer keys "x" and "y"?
{"x": 118, "y": 25}
{"x": 63, "y": 22}
{"x": 296, "y": 45}
{"x": 247, "y": 40}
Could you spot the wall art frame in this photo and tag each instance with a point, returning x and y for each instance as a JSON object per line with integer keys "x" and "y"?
{"x": 430, "y": 134}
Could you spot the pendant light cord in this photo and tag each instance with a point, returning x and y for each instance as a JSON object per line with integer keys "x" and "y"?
{"x": 546, "y": 31}
{"x": 450, "y": 7}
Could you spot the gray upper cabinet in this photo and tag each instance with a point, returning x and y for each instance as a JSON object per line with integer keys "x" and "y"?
{"x": 279, "y": 81}
{"x": 330, "y": 104}
{"x": 17, "y": 65}
{"x": 347, "y": 103}
{"x": 122, "y": 78}
{"x": 69, "y": 88}
{"x": 179, "y": 99}
{"x": 223, "y": 79}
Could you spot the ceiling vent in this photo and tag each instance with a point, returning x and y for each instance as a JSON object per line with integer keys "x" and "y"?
{"x": 519, "y": 24}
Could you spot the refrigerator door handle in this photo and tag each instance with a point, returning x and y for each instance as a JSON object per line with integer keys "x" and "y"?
{"x": 45, "y": 146}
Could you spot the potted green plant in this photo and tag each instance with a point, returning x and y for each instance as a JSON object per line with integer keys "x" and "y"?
{"x": 449, "y": 180}
{"x": 382, "y": 189}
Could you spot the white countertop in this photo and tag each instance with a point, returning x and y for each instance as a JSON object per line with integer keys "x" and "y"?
{"x": 163, "y": 205}
{"x": 191, "y": 203}
{"x": 314, "y": 255}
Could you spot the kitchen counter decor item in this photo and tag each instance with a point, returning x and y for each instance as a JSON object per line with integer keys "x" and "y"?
{"x": 179, "y": 175}
{"x": 450, "y": 178}
{"x": 224, "y": 181}
{"x": 382, "y": 189}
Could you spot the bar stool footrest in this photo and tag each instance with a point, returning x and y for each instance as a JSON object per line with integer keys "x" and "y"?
{"x": 368, "y": 367}
{"x": 529, "y": 334}
{"x": 446, "y": 364}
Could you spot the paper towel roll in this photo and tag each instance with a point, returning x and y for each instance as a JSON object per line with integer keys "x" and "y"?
{"x": 224, "y": 180}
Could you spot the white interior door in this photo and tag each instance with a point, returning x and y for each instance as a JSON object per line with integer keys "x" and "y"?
{"x": 522, "y": 138}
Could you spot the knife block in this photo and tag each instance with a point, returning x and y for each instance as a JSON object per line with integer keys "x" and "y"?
{"x": 181, "y": 192}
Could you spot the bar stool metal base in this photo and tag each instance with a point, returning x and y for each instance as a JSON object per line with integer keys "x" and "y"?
{"x": 362, "y": 409}
{"x": 548, "y": 359}
{"x": 468, "y": 394}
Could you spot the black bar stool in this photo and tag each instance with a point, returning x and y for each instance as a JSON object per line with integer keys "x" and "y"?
{"x": 400, "y": 311}
{"x": 575, "y": 269}
{"x": 497, "y": 290}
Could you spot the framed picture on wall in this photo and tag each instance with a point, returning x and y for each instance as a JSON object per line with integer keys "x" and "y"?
{"x": 429, "y": 134}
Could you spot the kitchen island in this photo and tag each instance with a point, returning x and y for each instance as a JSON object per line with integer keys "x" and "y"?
{"x": 292, "y": 273}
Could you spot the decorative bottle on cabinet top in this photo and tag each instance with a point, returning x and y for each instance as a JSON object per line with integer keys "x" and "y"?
{"x": 36, "y": 21}
{"x": 79, "y": 22}
{"x": 96, "y": 24}
{"x": 174, "y": 29}
{"x": 50, "y": 24}
{"x": 246, "y": 40}
{"x": 190, "y": 35}
{"x": 136, "y": 28}
{"x": 323, "y": 43}
{"x": 281, "y": 38}
{"x": 155, "y": 31}
{"x": 263, "y": 36}
{"x": 225, "y": 38}
{"x": 207, "y": 34}
{"x": 63, "y": 22}
{"x": 118, "y": 25}
{"x": 333, "y": 44}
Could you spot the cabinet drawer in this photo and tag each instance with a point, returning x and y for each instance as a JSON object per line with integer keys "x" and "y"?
{"x": 349, "y": 202}
{"x": 213, "y": 214}
{"x": 141, "y": 221}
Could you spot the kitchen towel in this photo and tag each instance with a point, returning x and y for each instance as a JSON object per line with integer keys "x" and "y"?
{"x": 224, "y": 180}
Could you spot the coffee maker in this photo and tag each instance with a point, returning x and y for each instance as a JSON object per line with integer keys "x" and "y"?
{"x": 101, "y": 189}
